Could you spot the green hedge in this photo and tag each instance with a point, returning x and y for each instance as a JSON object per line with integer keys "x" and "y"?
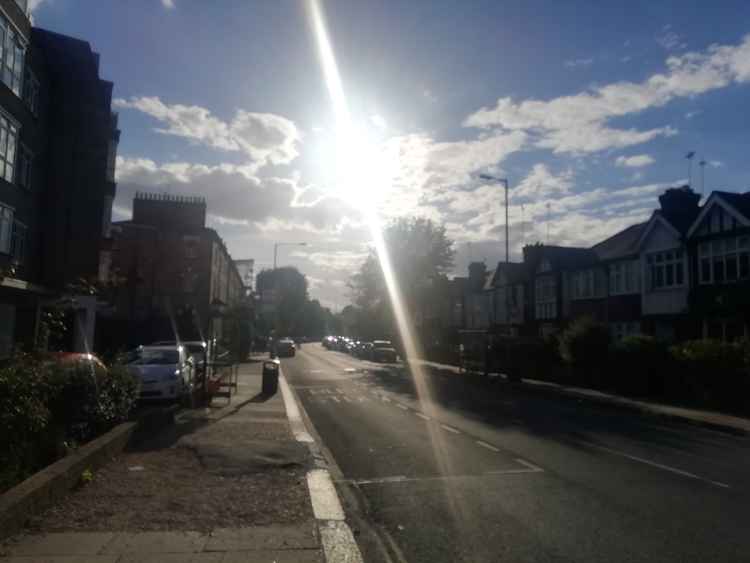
{"x": 584, "y": 346}
{"x": 48, "y": 407}
{"x": 641, "y": 365}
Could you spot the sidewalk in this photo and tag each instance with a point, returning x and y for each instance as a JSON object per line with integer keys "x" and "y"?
{"x": 709, "y": 419}
{"x": 227, "y": 483}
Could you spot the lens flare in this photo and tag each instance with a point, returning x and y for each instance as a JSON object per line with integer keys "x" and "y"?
{"x": 359, "y": 164}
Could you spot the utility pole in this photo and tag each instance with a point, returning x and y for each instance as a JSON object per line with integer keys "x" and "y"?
{"x": 689, "y": 157}
{"x": 548, "y": 219}
{"x": 702, "y": 164}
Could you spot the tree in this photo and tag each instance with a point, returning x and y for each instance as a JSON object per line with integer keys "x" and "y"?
{"x": 421, "y": 255}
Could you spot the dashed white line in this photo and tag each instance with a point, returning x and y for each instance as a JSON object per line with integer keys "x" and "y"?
{"x": 486, "y": 445}
{"x": 402, "y": 407}
{"x": 422, "y": 416}
{"x": 531, "y": 466}
{"x": 450, "y": 429}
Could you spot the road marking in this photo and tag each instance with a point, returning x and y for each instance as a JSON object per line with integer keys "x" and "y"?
{"x": 533, "y": 468}
{"x": 450, "y": 429}
{"x": 422, "y": 416}
{"x": 402, "y": 407}
{"x": 325, "y": 501}
{"x": 488, "y": 446}
{"x": 338, "y": 543}
{"x": 658, "y": 465}
{"x": 292, "y": 412}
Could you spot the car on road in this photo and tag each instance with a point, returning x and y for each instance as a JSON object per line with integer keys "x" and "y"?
{"x": 285, "y": 348}
{"x": 383, "y": 351}
{"x": 198, "y": 349}
{"x": 165, "y": 372}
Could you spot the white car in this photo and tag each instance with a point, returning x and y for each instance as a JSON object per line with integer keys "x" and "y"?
{"x": 165, "y": 372}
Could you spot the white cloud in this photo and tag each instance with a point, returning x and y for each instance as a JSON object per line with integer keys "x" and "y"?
{"x": 635, "y": 161}
{"x": 575, "y": 63}
{"x": 34, "y": 4}
{"x": 265, "y": 137}
{"x": 541, "y": 183}
{"x": 692, "y": 114}
{"x": 168, "y": 4}
{"x": 670, "y": 40}
{"x": 578, "y": 123}
{"x": 715, "y": 163}
{"x": 379, "y": 122}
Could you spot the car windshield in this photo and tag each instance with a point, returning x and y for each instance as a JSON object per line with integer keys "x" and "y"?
{"x": 156, "y": 357}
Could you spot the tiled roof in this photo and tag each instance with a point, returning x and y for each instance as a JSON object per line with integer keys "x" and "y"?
{"x": 620, "y": 244}
{"x": 741, "y": 202}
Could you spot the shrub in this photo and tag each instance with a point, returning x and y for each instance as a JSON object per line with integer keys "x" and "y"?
{"x": 584, "y": 346}
{"x": 712, "y": 372}
{"x": 47, "y": 406}
{"x": 641, "y": 365}
{"x": 528, "y": 357}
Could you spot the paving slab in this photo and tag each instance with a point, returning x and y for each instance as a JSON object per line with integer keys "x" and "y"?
{"x": 63, "y": 559}
{"x": 274, "y": 556}
{"x": 216, "y": 557}
{"x": 156, "y": 542}
{"x": 63, "y": 543}
{"x": 263, "y": 538}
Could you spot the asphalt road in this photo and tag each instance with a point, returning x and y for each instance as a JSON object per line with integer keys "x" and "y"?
{"x": 476, "y": 472}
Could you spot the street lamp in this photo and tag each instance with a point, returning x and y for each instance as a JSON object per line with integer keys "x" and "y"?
{"x": 503, "y": 181}
{"x": 278, "y": 244}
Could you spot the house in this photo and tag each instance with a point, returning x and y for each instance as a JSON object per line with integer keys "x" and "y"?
{"x": 507, "y": 286}
{"x": 719, "y": 242}
{"x": 172, "y": 274}
{"x": 663, "y": 257}
{"x": 553, "y": 271}
{"x": 58, "y": 141}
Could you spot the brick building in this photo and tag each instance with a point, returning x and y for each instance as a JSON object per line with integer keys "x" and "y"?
{"x": 58, "y": 141}
{"x": 172, "y": 272}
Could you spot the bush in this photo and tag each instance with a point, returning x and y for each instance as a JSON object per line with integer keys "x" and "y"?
{"x": 528, "y": 357}
{"x": 46, "y": 407}
{"x": 584, "y": 347}
{"x": 712, "y": 372}
{"x": 641, "y": 365}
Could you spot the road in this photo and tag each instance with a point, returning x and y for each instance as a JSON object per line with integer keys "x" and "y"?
{"x": 479, "y": 472}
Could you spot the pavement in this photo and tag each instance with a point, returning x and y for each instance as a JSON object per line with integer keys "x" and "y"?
{"x": 435, "y": 469}
{"x": 228, "y": 483}
{"x": 711, "y": 419}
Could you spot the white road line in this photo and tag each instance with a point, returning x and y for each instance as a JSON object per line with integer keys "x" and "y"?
{"x": 658, "y": 465}
{"x": 402, "y": 407}
{"x": 292, "y": 412}
{"x": 325, "y": 501}
{"x": 488, "y": 446}
{"x": 531, "y": 466}
{"x": 338, "y": 542}
{"x": 450, "y": 429}
{"x": 422, "y": 416}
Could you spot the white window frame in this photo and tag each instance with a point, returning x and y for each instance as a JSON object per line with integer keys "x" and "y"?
{"x": 724, "y": 251}
{"x": 7, "y": 215}
{"x": 662, "y": 260}
{"x": 545, "y": 298}
{"x": 624, "y": 277}
{"x": 9, "y": 133}
{"x": 12, "y": 56}
{"x": 584, "y": 284}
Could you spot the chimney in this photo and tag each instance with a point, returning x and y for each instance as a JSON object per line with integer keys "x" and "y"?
{"x": 680, "y": 206}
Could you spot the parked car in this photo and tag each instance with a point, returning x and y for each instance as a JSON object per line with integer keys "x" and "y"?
{"x": 165, "y": 372}
{"x": 383, "y": 351}
{"x": 198, "y": 349}
{"x": 365, "y": 350}
{"x": 285, "y": 348}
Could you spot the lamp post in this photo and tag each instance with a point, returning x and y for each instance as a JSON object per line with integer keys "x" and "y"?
{"x": 278, "y": 244}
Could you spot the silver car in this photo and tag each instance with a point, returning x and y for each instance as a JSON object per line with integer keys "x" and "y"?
{"x": 165, "y": 372}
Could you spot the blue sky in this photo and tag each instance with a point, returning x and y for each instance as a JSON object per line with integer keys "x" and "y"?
{"x": 589, "y": 106}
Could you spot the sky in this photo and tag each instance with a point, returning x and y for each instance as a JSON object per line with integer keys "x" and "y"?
{"x": 587, "y": 107}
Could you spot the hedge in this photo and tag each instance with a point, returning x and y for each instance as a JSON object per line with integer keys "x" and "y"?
{"x": 48, "y": 407}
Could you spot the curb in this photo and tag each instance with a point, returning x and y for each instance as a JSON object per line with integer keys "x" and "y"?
{"x": 623, "y": 403}
{"x": 336, "y": 536}
{"x": 51, "y": 484}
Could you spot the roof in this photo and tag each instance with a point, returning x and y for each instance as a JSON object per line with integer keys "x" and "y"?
{"x": 741, "y": 202}
{"x": 620, "y": 244}
{"x": 516, "y": 272}
{"x": 568, "y": 257}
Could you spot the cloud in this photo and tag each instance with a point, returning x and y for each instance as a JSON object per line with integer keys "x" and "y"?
{"x": 715, "y": 163}
{"x": 575, "y": 63}
{"x": 692, "y": 114}
{"x": 234, "y": 196}
{"x": 579, "y": 123}
{"x": 34, "y": 5}
{"x": 168, "y": 4}
{"x": 635, "y": 161}
{"x": 379, "y": 122}
{"x": 541, "y": 183}
{"x": 670, "y": 40}
{"x": 265, "y": 137}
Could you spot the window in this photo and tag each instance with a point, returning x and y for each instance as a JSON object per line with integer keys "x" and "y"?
{"x": 8, "y": 141}
{"x": 546, "y": 298}
{"x": 18, "y": 242}
{"x": 666, "y": 269}
{"x": 25, "y": 158}
{"x": 6, "y": 228}
{"x": 624, "y": 278}
{"x": 31, "y": 92}
{"x": 725, "y": 260}
{"x": 584, "y": 285}
{"x": 191, "y": 246}
{"x": 12, "y": 54}
{"x": 545, "y": 266}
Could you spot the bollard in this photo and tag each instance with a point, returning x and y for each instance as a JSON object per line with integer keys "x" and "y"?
{"x": 270, "y": 377}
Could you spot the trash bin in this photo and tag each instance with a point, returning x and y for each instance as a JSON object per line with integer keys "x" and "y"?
{"x": 270, "y": 377}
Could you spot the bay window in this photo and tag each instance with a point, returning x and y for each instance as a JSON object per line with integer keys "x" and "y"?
{"x": 624, "y": 277}
{"x": 583, "y": 285}
{"x": 666, "y": 269}
{"x": 724, "y": 260}
{"x": 546, "y": 298}
{"x": 12, "y": 53}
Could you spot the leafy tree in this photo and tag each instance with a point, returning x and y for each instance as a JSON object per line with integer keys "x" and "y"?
{"x": 286, "y": 290}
